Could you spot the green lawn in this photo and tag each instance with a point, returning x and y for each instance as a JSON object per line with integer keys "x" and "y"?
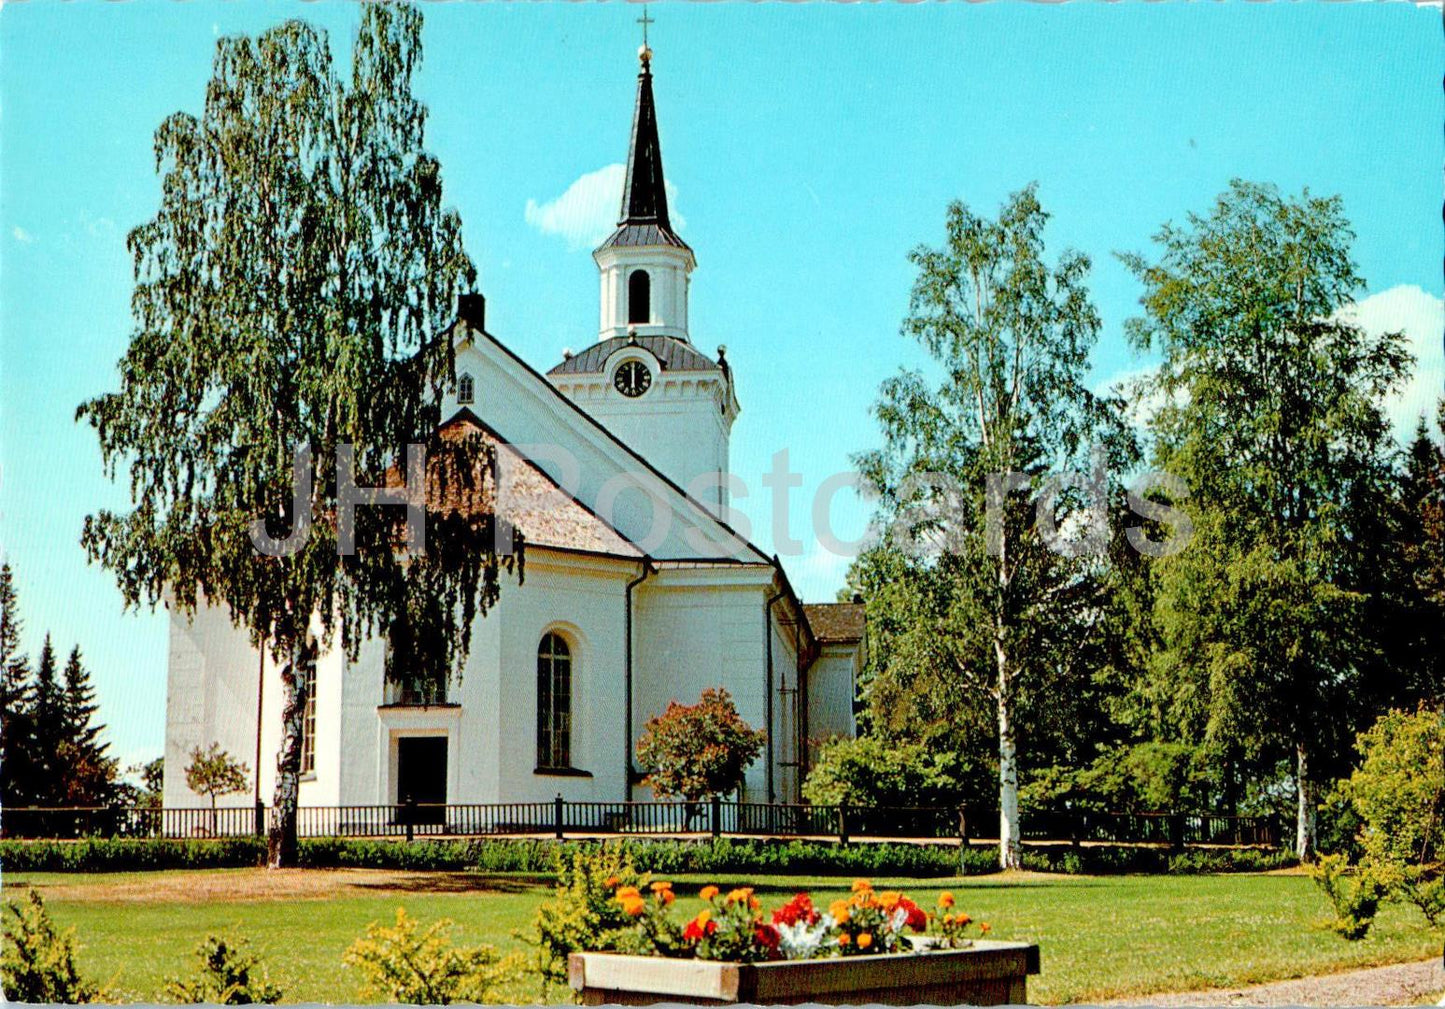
{"x": 1100, "y": 937}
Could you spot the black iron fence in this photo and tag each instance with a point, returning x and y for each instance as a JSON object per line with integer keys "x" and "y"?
{"x": 560, "y": 818}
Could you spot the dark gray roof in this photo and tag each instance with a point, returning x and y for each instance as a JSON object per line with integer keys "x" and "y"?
{"x": 673, "y": 354}
{"x": 643, "y": 234}
{"x": 643, "y": 219}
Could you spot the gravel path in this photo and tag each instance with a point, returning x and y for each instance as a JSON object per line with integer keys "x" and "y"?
{"x": 1399, "y": 984}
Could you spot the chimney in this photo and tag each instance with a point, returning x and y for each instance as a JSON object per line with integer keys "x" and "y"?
{"x": 472, "y": 309}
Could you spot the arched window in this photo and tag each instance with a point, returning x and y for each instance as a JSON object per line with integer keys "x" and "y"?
{"x": 639, "y": 297}
{"x": 464, "y": 389}
{"x": 554, "y": 702}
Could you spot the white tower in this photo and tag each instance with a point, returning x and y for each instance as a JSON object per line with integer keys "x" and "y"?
{"x": 643, "y": 379}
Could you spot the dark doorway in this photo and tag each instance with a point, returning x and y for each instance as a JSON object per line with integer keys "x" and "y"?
{"x": 421, "y": 776}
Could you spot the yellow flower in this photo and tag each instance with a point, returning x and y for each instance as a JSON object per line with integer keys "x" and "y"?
{"x": 948, "y": 919}
{"x": 708, "y": 892}
{"x": 861, "y": 886}
{"x": 945, "y": 899}
{"x": 865, "y": 940}
{"x": 889, "y": 899}
{"x": 741, "y": 895}
{"x": 703, "y": 917}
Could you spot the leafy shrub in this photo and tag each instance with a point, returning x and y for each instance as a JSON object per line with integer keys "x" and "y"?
{"x": 1356, "y": 893}
{"x": 227, "y": 975}
{"x": 1399, "y": 787}
{"x": 118, "y": 854}
{"x": 38, "y": 962}
{"x": 869, "y": 771}
{"x": 404, "y": 965}
{"x": 1425, "y": 888}
{"x": 694, "y": 751}
{"x": 584, "y": 914}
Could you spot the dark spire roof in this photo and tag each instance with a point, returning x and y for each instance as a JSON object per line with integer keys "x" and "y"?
{"x": 643, "y": 219}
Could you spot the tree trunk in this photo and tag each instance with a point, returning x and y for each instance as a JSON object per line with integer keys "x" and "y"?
{"x": 1008, "y": 771}
{"x": 281, "y": 841}
{"x": 1305, "y": 790}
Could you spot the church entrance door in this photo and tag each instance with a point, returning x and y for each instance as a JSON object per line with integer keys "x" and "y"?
{"x": 421, "y": 776}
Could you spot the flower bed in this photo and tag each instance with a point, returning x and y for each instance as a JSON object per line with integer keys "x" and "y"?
{"x": 869, "y": 947}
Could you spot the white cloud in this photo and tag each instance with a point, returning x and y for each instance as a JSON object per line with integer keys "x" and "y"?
{"x": 21, "y": 235}
{"x": 1421, "y": 316}
{"x": 587, "y": 212}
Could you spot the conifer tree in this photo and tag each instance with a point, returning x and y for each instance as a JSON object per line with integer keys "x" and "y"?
{"x": 47, "y": 719}
{"x": 87, "y": 774}
{"x": 16, "y": 775}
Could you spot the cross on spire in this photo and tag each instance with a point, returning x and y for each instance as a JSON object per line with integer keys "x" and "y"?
{"x": 645, "y": 21}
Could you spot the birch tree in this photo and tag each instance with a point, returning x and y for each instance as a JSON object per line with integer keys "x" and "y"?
{"x": 1273, "y": 417}
{"x": 973, "y": 442}
{"x": 290, "y": 306}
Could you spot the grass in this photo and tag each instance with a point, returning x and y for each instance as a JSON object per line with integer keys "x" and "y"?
{"x": 1100, "y": 937}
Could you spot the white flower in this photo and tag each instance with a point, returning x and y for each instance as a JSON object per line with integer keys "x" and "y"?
{"x": 801, "y": 941}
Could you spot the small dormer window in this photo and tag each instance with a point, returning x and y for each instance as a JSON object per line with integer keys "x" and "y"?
{"x": 464, "y": 389}
{"x": 639, "y": 297}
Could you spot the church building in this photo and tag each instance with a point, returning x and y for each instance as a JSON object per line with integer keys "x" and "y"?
{"x": 614, "y": 465}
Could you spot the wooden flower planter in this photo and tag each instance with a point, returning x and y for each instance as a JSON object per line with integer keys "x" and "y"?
{"x": 989, "y": 972}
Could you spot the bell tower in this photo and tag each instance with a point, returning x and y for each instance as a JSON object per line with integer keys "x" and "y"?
{"x": 643, "y": 379}
{"x": 645, "y": 267}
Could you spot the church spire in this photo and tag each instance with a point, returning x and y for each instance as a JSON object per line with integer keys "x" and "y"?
{"x": 643, "y": 219}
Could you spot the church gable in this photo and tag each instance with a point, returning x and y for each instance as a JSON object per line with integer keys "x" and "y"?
{"x": 588, "y": 463}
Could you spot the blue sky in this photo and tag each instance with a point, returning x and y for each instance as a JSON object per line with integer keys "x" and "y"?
{"x": 808, "y": 146}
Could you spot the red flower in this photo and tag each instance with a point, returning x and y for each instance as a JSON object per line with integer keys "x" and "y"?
{"x": 917, "y": 919}
{"x": 768, "y": 938}
{"x": 800, "y": 908}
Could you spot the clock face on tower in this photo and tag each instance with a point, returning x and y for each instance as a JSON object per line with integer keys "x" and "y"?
{"x": 632, "y": 379}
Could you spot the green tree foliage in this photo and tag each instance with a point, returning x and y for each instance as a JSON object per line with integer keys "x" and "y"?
{"x": 695, "y": 751}
{"x": 1141, "y": 777}
{"x": 38, "y": 960}
{"x": 1399, "y": 787}
{"x": 871, "y": 771}
{"x": 213, "y": 772}
{"x": 405, "y": 963}
{"x": 994, "y": 609}
{"x": 1271, "y": 415}
{"x": 292, "y": 294}
{"x": 227, "y": 975}
{"x": 48, "y": 730}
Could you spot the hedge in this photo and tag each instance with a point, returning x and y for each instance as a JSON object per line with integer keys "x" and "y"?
{"x": 715, "y": 857}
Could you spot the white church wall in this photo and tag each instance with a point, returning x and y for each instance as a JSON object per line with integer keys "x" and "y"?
{"x": 831, "y": 686}
{"x": 210, "y": 698}
{"x": 694, "y": 631}
{"x": 786, "y": 782}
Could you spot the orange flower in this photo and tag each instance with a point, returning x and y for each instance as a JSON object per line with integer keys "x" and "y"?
{"x": 612, "y": 882}
{"x": 628, "y": 891}
{"x": 741, "y": 895}
{"x": 633, "y": 906}
{"x": 865, "y": 940}
{"x": 666, "y": 896}
{"x": 708, "y": 892}
{"x": 754, "y": 903}
{"x": 843, "y": 939}
{"x": 839, "y": 910}
{"x": 889, "y": 899}
{"x": 962, "y": 918}
{"x": 945, "y": 899}
{"x": 984, "y": 927}
{"x": 861, "y": 886}
{"x": 659, "y": 886}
